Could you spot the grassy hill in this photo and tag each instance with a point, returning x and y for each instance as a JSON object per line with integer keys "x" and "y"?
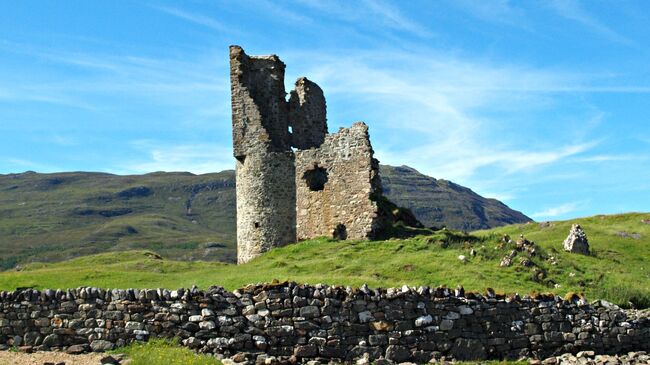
{"x": 617, "y": 270}
{"x": 52, "y": 217}
{"x": 57, "y": 216}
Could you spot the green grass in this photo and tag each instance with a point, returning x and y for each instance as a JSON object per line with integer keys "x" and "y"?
{"x": 618, "y": 270}
{"x": 163, "y": 352}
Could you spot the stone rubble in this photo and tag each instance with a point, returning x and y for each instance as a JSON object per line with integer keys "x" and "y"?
{"x": 590, "y": 358}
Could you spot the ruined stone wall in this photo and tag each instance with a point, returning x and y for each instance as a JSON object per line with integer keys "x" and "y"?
{"x": 266, "y": 201}
{"x": 264, "y": 168}
{"x": 320, "y": 322}
{"x": 307, "y": 115}
{"x": 260, "y": 114}
{"x": 270, "y": 187}
{"x": 334, "y": 184}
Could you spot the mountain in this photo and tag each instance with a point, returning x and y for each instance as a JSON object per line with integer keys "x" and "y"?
{"x": 55, "y": 216}
{"x": 437, "y": 202}
{"x": 51, "y": 217}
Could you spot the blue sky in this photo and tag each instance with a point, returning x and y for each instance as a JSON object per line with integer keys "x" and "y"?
{"x": 542, "y": 104}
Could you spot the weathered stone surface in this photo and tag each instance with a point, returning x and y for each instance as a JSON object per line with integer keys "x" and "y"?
{"x": 307, "y": 115}
{"x": 468, "y": 349}
{"x": 52, "y": 341}
{"x": 77, "y": 349}
{"x": 101, "y": 345}
{"x": 304, "y": 323}
{"x": 577, "y": 241}
{"x": 325, "y": 187}
{"x": 265, "y": 187}
{"x": 310, "y": 311}
{"x": 397, "y": 353}
{"x": 334, "y": 185}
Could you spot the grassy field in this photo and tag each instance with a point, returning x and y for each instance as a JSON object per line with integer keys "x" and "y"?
{"x": 617, "y": 271}
{"x": 164, "y": 352}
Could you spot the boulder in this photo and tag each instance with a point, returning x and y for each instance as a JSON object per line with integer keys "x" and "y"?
{"x": 52, "y": 341}
{"x": 577, "y": 241}
{"x": 77, "y": 349}
{"x": 101, "y": 345}
{"x": 397, "y": 353}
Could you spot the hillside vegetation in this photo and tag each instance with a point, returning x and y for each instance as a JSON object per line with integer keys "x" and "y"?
{"x": 440, "y": 203}
{"x": 617, "y": 270}
{"x": 52, "y": 217}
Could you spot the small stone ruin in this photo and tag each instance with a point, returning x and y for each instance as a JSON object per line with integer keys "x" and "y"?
{"x": 577, "y": 241}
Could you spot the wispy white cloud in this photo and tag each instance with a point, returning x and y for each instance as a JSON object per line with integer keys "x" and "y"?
{"x": 573, "y": 10}
{"x": 608, "y": 158}
{"x": 378, "y": 15}
{"x": 164, "y": 156}
{"x": 465, "y": 165}
{"x": 276, "y": 11}
{"x": 192, "y": 83}
{"x": 557, "y": 211}
{"x": 497, "y": 11}
{"x": 40, "y": 94}
{"x": 195, "y": 18}
{"x": 392, "y": 17}
{"x": 443, "y": 107}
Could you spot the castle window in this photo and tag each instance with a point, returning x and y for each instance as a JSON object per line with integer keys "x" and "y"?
{"x": 315, "y": 178}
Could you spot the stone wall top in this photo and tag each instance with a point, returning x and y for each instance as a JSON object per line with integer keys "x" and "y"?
{"x": 300, "y": 323}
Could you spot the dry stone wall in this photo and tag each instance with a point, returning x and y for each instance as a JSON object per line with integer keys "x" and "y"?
{"x": 302, "y": 323}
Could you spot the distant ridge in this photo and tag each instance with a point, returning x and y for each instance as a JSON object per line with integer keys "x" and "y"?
{"x": 437, "y": 202}
{"x": 51, "y": 217}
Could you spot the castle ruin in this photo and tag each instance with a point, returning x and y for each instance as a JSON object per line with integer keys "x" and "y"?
{"x": 295, "y": 181}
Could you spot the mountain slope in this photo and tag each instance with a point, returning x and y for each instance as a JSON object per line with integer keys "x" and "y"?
{"x": 438, "y": 203}
{"x": 51, "y": 217}
{"x": 56, "y": 216}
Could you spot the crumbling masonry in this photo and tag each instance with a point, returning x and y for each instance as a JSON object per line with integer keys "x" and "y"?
{"x": 294, "y": 180}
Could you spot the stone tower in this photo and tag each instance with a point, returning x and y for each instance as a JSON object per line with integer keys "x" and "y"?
{"x": 294, "y": 180}
{"x": 266, "y": 192}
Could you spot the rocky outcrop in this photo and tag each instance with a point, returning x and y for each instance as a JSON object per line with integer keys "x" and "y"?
{"x": 577, "y": 241}
{"x": 287, "y": 321}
